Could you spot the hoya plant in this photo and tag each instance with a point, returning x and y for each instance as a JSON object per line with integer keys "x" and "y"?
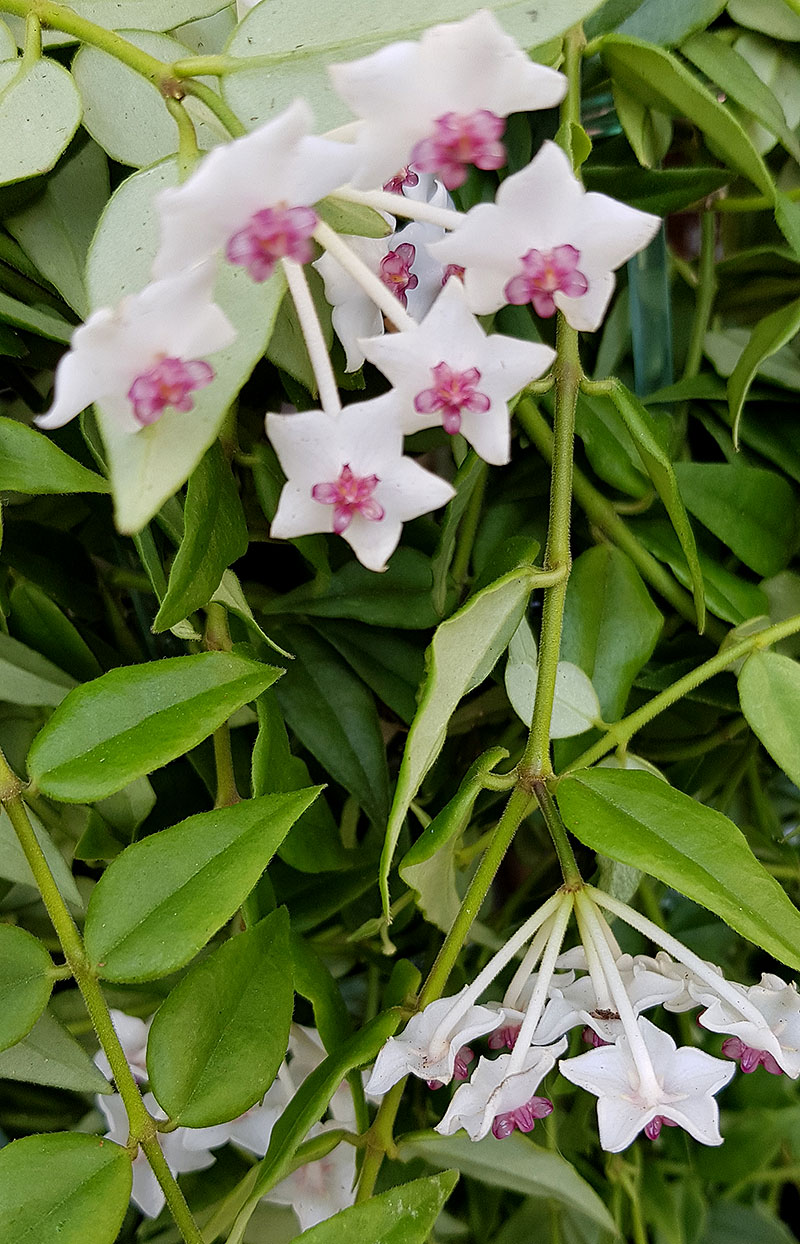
{"x": 399, "y": 624}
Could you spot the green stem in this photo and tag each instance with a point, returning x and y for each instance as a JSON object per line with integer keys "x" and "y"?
{"x": 142, "y": 1126}
{"x": 218, "y": 639}
{"x": 706, "y": 293}
{"x": 536, "y": 759}
{"x": 601, "y": 513}
{"x": 469, "y": 530}
{"x": 216, "y": 104}
{"x": 60, "y": 17}
{"x": 621, "y": 733}
{"x": 752, "y": 203}
{"x": 33, "y": 42}
{"x": 188, "y": 149}
{"x": 558, "y": 833}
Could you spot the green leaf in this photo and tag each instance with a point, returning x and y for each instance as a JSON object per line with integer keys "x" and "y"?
{"x": 127, "y": 15}
{"x": 34, "y": 320}
{"x": 148, "y": 467}
{"x": 314, "y": 843}
{"x": 391, "y": 665}
{"x": 287, "y": 347}
{"x": 353, "y": 218}
{"x": 216, "y": 1044}
{"x": 655, "y": 190}
{"x": 138, "y": 130}
{"x": 313, "y": 980}
{"x": 670, "y": 21}
{"x": 26, "y": 981}
{"x": 638, "y": 819}
{"x": 769, "y": 690}
{"x": 729, "y": 1223}
{"x": 728, "y": 498}
{"x": 66, "y": 1187}
{"x": 609, "y": 445}
{"x": 334, "y": 716}
{"x": 471, "y": 475}
{"x": 659, "y": 80}
{"x": 28, "y": 678}
{"x": 31, "y": 463}
{"x": 215, "y": 536}
{"x": 724, "y": 349}
{"x": 57, "y": 227}
{"x": 300, "y": 51}
{"x": 516, "y": 1164}
{"x": 161, "y": 900}
{"x": 8, "y": 44}
{"x": 648, "y": 130}
{"x": 658, "y": 464}
{"x": 40, "y": 110}
{"x": 611, "y": 625}
{"x": 15, "y": 867}
{"x": 51, "y": 1056}
{"x": 137, "y": 718}
{"x": 38, "y": 622}
{"x": 463, "y": 652}
{"x": 400, "y": 597}
{"x": 771, "y": 17}
{"x": 729, "y": 71}
{"x": 403, "y": 1215}
{"x": 307, "y": 1107}
{"x": 768, "y": 336}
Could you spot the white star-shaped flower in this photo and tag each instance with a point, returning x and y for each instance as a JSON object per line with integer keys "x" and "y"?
{"x": 450, "y": 373}
{"x": 146, "y": 1193}
{"x": 546, "y": 241}
{"x": 439, "y": 104}
{"x": 429, "y": 1043}
{"x": 577, "y": 1003}
{"x": 252, "y": 198}
{"x": 686, "y": 1080}
{"x": 318, "y": 1190}
{"x": 347, "y": 474}
{"x": 778, "y": 1035}
{"x": 498, "y": 1099}
{"x": 144, "y": 355}
{"x": 684, "y": 999}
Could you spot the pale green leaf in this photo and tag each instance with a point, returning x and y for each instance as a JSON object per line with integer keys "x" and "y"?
{"x": 127, "y": 15}
{"x": 40, "y": 110}
{"x": 50, "y": 1055}
{"x": 771, "y": 17}
{"x": 774, "y": 331}
{"x": 769, "y": 690}
{"x": 26, "y": 981}
{"x": 28, "y": 678}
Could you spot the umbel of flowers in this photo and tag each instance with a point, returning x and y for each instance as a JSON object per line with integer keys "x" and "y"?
{"x": 641, "y": 1079}
{"x": 422, "y": 120}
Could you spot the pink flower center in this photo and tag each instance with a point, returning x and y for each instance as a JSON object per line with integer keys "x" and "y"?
{"x": 453, "y": 269}
{"x": 395, "y": 271}
{"x": 169, "y": 383}
{"x": 458, "y": 141}
{"x": 350, "y": 494}
{"x": 452, "y": 393}
{"x": 653, "y": 1128}
{"x": 405, "y": 177}
{"x": 504, "y": 1038}
{"x": 545, "y": 273}
{"x": 273, "y": 233}
{"x": 748, "y": 1058}
{"x": 460, "y": 1067}
{"x": 591, "y": 1038}
{"x": 523, "y": 1118}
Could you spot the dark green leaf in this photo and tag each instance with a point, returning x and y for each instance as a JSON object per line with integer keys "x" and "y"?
{"x": 769, "y": 690}
{"x": 639, "y": 820}
{"x": 391, "y": 665}
{"x": 26, "y": 981}
{"x": 659, "y": 80}
{"x": 34, "y": 319}
{"x": 471, "y": 475}
{"x": 670, "y": 21}
{"x": 136, "y": 719}
{"x": 216, "y": 1044}
{"x": 611, "y": 625}
{"x": 215, "y": 536}
{"x": 729, "y": 499}
{"x": 609, "y": 445}
{"x": 66, "y": 1187}
{"x": 161, "y": 900}
{"x": 655, "y": 190}
{"x": 38, "y": 622}
{"x": 334, "y": 716}
{"x": 31, "y": 463}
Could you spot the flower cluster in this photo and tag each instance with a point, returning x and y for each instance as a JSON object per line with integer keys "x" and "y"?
{"x": 315, "y": 1191}
{"x": 641, "y": 1079}
{"x": 426, "y": 113}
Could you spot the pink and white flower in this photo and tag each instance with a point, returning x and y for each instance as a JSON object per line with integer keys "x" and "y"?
{"x": 347, "y": 474}
{"x": 440, "y": 104}
{"x": 681, "y": 1091}
{"x": 252, "y": 199}
{"x": 500, "y": 1100}
{"x": 450, "y": 372}
{"x": 547, "y": 241}
{"x": 145, "y": 356}
{"x": 774, "y": 1043}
